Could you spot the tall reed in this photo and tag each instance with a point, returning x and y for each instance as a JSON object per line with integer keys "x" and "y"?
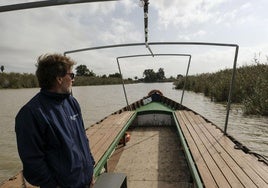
{"x": 251, "y": 87}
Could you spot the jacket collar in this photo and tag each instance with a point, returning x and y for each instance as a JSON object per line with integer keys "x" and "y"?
{"x": 53, "y": 95}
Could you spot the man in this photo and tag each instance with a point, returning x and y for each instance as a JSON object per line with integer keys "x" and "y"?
{"x": 51, "y": 138}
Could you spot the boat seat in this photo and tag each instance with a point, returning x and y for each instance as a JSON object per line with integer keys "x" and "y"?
{"x": 218, "y": 161}
{"x": 105, "y": 135}
{"x": 111, "y": 180}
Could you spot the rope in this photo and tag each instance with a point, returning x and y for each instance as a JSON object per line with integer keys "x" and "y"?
{"x": 260, "y": 157}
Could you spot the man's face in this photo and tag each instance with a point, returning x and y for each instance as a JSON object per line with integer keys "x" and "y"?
{"x": 67, "y": 82}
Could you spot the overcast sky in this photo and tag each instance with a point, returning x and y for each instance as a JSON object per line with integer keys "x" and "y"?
{"x": 26, "y": 34}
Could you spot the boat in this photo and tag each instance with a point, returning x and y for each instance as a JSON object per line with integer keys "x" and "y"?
{"x": 158, "y": 142}
{"x": 169, "y": 145}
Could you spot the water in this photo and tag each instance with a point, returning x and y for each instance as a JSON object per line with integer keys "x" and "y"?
{"x": 100, "y": 101}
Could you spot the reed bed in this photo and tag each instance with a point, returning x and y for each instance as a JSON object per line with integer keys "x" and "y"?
{"x": 250, "y": 90}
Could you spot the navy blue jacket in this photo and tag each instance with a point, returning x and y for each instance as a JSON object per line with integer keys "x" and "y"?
{"x": 52, "y": 143}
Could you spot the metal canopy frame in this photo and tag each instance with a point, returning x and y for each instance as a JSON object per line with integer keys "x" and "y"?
{"x": 144, "y": 55}
{"x": 39, "y": 4}
{"x": 235, "y": 46}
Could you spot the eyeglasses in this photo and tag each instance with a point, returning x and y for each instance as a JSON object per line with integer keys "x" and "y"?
{"x": 72, "y": 75}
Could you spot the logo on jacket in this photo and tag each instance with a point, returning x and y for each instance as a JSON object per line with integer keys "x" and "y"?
{"x": 73, "y": 117}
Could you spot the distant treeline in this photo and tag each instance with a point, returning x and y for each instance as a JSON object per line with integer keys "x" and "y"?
{"x": 84, "y": 77}
{"x": 95, "y": 80}
{"x": 25, "y": 80}
{"x": 251, "y": 87}
{"x": 17, "y": 80}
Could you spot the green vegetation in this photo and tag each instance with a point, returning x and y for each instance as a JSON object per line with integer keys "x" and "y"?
{"x": 151, "y": 76}
{"x": 17, "y": 80}
{"x": 251, "y": 87}
{"x": 84, "y": 77}
{"x": 86, "y": 81}
{"x": 82, "y": 70}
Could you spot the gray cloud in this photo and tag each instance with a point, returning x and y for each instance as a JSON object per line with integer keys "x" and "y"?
{"x": 26, "y": 34}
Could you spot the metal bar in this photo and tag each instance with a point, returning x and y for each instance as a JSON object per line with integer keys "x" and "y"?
{"x": 102, "y": 47}
{"x": 152, "y": 43}
{"x": 231, "y": 91}
{"x": 142, "y": 55}
{"x": 179, "y": 43}
{"x": 147, "y": 46}
{"x": 123, "y": 84}
{"x": 186, "y": 75}
{"x": 40, "y": 4}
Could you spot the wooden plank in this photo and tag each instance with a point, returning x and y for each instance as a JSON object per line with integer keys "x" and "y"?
{"x": 251, "y": 173}
{"x": 232, "y": 172}
{"x": 206, "y": 175}
{"x": 250, "y": 159}
{"x": 216, "y": 152}
{"x": 98, "y": 136}
{"x": 101, "y": 147}
{"x": 252, "y": 168}
{"x": 99, "y": 131}
{"x": 207, "y": 156}
{"x": 102, "y": 135}
{"x": 262, "y": 168}
{"x": 105, "y": 135}
{"x": 108, "y": 121}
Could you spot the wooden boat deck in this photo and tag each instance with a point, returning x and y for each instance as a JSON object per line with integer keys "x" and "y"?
{"x": 219, "y": 164}
{"x": 153, "y": 158}
{"x": 102, "y": 135}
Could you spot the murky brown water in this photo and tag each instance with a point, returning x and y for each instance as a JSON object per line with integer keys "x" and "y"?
{"x": 99, "y": 101}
